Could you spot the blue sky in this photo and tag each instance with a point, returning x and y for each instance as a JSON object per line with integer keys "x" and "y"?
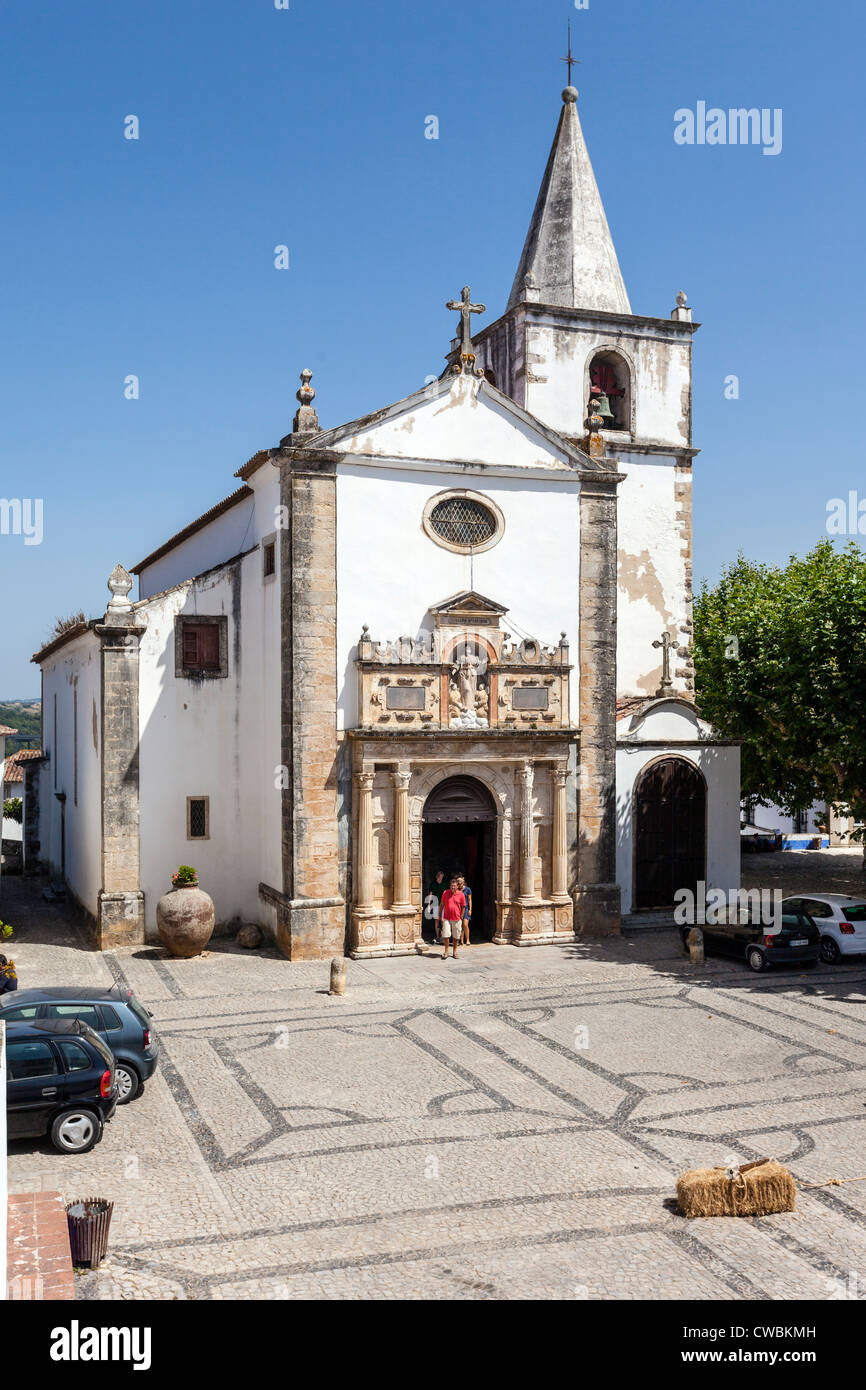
{"x": 305, "y": 127}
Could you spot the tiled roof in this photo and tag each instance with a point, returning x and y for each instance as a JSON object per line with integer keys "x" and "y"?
{"x": 14, "y": 771}
{"x": 4, "y": 729}
{"x": 225, "y": 505}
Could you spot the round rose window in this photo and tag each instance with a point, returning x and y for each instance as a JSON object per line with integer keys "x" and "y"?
{"x": 461, "y": 521}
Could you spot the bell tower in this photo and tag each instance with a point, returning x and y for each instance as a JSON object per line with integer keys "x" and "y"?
{"x": 568, "y": 339}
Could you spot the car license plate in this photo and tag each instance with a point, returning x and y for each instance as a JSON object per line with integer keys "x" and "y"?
{"x": 802, "y": 942}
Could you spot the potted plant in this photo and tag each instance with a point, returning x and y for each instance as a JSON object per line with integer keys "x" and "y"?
{"x": 5, "y": 931}
{"x": 185, "y": 915}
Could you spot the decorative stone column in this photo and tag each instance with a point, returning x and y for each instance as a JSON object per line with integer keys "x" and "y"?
{"x": 405, "y": 917}
{"x": 364, "y": 889}
{"x": 527, "y": 856}
{"x": 597, "y": 895}
{"x": 120, "y": 901}
{"x": 311, "y": 912}
{"x": 559, "y": 848}
{"x": 401, "y": 839}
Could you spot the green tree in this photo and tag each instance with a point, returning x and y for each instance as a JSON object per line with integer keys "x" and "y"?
{"x": 780, "y": 656}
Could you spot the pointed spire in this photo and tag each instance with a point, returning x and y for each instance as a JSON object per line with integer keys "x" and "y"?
{"x": 569, "y": 252}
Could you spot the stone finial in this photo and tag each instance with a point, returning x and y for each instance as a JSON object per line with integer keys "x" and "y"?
{"x": 306, "y": 420}
{"x": 569, "y": 95}
{"x": 595, "y": 424}
{"x": 682, "y": 312}
{"x": 119, "y": 584}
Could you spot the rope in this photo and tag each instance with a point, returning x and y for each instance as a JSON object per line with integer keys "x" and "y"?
{"x": 832, "y": 1182}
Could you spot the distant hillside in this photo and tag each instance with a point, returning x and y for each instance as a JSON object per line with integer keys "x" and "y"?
{"x": 26, "y": 717}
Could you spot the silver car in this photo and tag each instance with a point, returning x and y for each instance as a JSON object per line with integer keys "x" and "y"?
{"x": 841, "y": 920}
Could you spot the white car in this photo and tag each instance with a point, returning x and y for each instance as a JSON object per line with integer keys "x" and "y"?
{"x": 841, "y": 920}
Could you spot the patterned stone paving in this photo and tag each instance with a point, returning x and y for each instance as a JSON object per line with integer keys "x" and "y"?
{"x": 509, "y": 1125}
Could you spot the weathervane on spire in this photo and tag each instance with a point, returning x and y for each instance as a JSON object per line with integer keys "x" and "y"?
{"x": 571, "y": 60}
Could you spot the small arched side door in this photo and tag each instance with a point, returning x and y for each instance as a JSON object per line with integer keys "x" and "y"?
{"x": 670, "y": 828}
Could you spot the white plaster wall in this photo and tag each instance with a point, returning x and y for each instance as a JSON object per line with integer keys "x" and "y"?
{"x": 720, "y": 765}
{"x": 76, "y": 666}
{"x": 215, "y": 738}
{"x": 772, "y": 818}
{"x": 465, "y": 423}
{"x": 389, "y": 571}
{"x": 652, "y": 596}
{"x": 558, "y": 357}
{"x": 223, "y": 538}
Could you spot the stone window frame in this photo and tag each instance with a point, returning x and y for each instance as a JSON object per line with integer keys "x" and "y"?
{"x": 468, "y": 495}
{"x": 189, "y": 834}
{"x": 183, "y": 672}
{"x": 269, "y": 542}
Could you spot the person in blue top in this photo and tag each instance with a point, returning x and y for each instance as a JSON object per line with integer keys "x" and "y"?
{"x": 467, "y": 911}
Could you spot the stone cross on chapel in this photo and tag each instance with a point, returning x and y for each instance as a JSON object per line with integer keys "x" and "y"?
{"x": 666, "y": 643}
{"x": 466, "y": 309}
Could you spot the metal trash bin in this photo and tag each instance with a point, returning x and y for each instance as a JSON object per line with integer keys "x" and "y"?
{"x": 88, "y": 1220}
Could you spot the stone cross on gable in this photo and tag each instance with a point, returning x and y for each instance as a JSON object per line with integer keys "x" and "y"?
{"x": 666, "y": 643}
{"x": 466, "y": 309}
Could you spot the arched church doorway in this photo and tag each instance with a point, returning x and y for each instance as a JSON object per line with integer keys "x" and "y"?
{"x": 459, "y": 837}
{"x": 670, "y": 829}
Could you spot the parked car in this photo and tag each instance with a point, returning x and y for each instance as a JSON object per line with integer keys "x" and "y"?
{"x": 841, "y": 919}
{"x": 114, "y": 1013}
{"x": 797, "y": 943}
{"x": 59, "y": 1081}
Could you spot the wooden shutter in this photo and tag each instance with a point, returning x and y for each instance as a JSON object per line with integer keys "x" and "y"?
{"x": 190, "y": 645}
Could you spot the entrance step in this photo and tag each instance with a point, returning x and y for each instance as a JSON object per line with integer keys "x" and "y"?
{"x": 648, "y": 921}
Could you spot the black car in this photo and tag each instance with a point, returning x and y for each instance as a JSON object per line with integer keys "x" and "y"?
{"x": 59, "y": 1082}
{"x": 797, "y": 943}
{"x": 112, "y": 1012}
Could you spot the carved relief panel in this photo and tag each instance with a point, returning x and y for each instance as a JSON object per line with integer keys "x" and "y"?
{"x": 465, "y": 673}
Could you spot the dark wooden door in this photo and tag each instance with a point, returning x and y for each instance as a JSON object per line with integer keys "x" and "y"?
{"x": 670, "y": 810}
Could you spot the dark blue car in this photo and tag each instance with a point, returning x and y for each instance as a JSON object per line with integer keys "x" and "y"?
{"x": 112, "y": 1012}
{"x": 59, "y": 1082}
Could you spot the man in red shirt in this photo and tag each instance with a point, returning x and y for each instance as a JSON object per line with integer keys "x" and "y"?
{"x": 451, "y": 912}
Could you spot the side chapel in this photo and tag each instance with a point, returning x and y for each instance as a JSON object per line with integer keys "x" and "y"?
{"x": 454, "y": 634}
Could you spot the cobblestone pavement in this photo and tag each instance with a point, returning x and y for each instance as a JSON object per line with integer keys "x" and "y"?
{"x": 506, "y": 1126}
{"x": 807, "y": 871}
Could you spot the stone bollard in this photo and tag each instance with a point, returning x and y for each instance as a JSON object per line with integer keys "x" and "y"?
{"x": 338, "y": 975}
{"x": 696, "y": 946}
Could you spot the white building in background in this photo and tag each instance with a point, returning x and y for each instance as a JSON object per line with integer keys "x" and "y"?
{"x": 453, "y": 634}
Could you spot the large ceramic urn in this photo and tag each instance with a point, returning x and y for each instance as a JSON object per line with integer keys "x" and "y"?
{"x": 185, "y": 921}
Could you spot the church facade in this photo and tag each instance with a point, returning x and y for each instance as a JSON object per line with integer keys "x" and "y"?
{"x": 453, "y": 635}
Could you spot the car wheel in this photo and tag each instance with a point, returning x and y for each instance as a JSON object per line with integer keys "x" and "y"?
{"x": 76, "y": 1131}
{"x": 128, "y": 1082}
{"x": 830, "y": 952}
{"x": 756, "y": 960}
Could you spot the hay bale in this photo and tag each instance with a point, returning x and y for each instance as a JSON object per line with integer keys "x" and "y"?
{"x": 754, "y": 1189}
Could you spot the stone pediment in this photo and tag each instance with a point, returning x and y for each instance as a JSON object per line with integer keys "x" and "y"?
{"x": 457, "y": 419}
{"x": 467, "y": 609}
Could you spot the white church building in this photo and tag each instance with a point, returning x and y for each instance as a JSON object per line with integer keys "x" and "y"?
{"x": 454, "y": 634}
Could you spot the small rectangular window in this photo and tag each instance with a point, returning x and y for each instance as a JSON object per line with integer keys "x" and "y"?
{"x": 269, "y": 558}
{"x": 201, "y": 647}
{"x": 198, "y": 818}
